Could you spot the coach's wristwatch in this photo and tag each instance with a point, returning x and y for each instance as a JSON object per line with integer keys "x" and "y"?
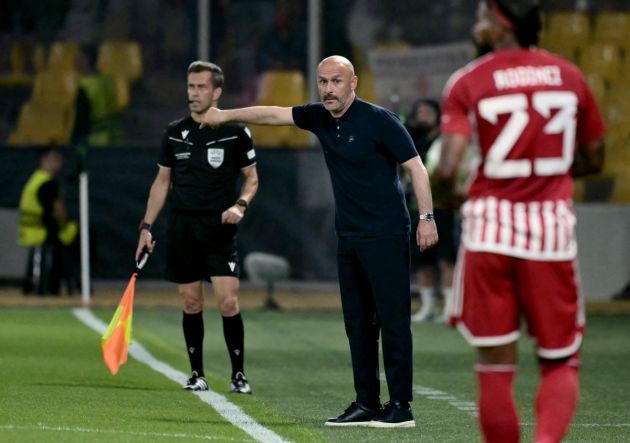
{"x": 242, "y": 202}
{"x": 144, "y": 225}
{"x": 426, "y": 216}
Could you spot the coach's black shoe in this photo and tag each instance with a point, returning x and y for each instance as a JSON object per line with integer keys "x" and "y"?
{"x": 239, "y": 384}
{"x": 196, "y": 383}
{"x": 357, "y": 414}
{"x": 395, "y": 414}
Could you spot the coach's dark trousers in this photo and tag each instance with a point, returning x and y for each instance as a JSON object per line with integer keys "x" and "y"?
{"x": 375, "y": 296}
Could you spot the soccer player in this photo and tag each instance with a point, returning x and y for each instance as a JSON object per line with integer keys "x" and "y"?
{"x": 530, "y": 109}
{"x": 198, "y": 172}
{"x": 363, "y": 145}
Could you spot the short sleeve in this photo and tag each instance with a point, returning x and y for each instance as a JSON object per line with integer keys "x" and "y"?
{"x": 166, "y": 153}
{"x": 455, "y": 108}
{"x": 246, "y": 152}
{"x": 308, "y": 116}
{"x": 590, "y": 125}
{"x": 397, "y": 139}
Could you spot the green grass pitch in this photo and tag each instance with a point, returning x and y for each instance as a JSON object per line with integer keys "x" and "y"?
{"x": 55, "y": 388}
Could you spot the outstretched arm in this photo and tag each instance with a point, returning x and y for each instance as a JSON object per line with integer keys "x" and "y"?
{"x": 157, "y": 199}
{"x": 256, "y": 115}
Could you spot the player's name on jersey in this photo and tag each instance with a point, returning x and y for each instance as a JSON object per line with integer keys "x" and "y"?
{"x": 527, "y": 76}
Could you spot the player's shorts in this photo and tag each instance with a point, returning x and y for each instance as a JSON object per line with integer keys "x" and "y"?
{"x": 492, "y": 292}
{"x": 200, "y": 247}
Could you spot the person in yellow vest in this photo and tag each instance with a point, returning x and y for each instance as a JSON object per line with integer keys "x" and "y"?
{"x": 97, "y": 118}
{"x": 44, "y": 226}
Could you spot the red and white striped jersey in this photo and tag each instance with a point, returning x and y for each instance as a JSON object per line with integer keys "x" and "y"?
{"x": 529, "y": 108}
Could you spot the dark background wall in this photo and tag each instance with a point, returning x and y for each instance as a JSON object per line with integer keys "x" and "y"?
{"x": 292, "y": 215}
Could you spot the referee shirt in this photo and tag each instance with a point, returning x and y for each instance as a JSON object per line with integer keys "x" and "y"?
{"x": 362, "y": 149}
{"x": 205, "y": 164}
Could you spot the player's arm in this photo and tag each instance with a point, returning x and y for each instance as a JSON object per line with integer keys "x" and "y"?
{"x": 235, "y": 213}
{"x": 589, "y": 158}
{"x": 157, "y": 198}
{"x": 257, "y": 115}
{"x": 426, "y": 234}
{"x": 453, "y": 149}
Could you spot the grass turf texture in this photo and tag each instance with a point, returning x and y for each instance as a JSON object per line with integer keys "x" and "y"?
{"x": 55, "y": 386}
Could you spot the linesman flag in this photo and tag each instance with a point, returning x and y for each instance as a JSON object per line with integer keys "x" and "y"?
{"x": 117, "y": 338}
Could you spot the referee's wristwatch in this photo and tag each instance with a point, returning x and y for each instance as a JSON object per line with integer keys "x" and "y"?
{"x": 242, "y": 203}
{"x": 428, "y": 216}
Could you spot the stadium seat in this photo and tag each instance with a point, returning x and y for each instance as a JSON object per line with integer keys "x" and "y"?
{"x": 617, "y": 108}
{"x": 621, "y": 188}
{"x": 62, "y": 56}
{"x": 601, "y": 58}
{"x": 612, "y": 27}
{"x": 572, "y": 28}
{"x": 42, "y": 123}
{"x": 17, "y": 75}
{"x": 120, "y": 58}
{"x": 366, "y": 88}
{"x": 280, "y": 88}
{"x": 617, "y": 150}
{"x": 56, "y": 87}
{"x": 566, "y": 49}
{"x": 599, "y": 88}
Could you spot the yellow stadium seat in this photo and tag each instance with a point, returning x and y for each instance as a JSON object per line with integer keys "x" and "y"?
{"x": 617, "y": 152}
{"x": 612, "y": 27}
{"x": 569, "y": 27}
{"x": 601, "y": 58}
{"x": 366, "y": 87}
{"x": 621, "y": 188}
{"x": 62, "y": 56}
{"x": 17, "y": 61}
{"x": 120, "y": 58}
{"x": 42, "y": 123}
{"x": 280, "y": 88}
{"x": 617, "y": 109}
{"x": 598, "y": 86}
{"x": 56, "y": 87}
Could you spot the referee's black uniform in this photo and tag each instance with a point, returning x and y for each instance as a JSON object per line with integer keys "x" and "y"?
{"x": 205, "y": 165}
{"x": 363, "y": 149}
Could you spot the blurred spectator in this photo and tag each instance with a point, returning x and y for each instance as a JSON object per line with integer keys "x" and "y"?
{"x": 432, "y": 269}
{"x": 44, "y": 227}
{"x": 624, "y": 294}
{"x": 283, "y": 46}
{"x": 97, "y": 118}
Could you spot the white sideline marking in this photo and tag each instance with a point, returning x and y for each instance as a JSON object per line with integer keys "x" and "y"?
{"x": 42, "y": 427}
{"x": 469, "y": 407}
{"x": 225, "y": 408}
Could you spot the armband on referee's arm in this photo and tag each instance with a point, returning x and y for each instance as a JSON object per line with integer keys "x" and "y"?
{"x": 144, "y": 225}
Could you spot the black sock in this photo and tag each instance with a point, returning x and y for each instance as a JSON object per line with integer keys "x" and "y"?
{"x": 193, "y": 335}
{"x": 234, "y": 334}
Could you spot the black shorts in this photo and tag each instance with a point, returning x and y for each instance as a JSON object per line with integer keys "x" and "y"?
{"x": 200, "y": 247}
{"x": 448, "y": 243}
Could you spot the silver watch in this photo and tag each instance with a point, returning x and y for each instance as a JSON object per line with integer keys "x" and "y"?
{"x": 426, "y": 216}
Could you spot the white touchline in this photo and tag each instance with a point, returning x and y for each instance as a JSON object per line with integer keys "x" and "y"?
{"x": 42, "y": 427}
{"x": 225, "y": 408}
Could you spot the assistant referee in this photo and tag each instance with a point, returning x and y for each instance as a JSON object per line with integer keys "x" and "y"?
{"x": 198, "y": 173}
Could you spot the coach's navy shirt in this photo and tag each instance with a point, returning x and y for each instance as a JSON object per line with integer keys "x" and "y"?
{"x": 362, "y": 149}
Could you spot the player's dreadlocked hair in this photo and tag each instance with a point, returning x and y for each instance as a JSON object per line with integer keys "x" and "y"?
{"x": 522, "y": 16}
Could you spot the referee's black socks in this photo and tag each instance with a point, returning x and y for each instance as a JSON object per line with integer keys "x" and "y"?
{"x": 234, "y": 334}
{"x": 193, "y": 335}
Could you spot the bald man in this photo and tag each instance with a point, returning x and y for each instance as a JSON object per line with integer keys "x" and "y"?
{"x": 363, "y": 146}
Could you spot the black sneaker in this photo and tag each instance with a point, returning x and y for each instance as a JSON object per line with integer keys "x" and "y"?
{"x": 395, "y": 414}
{"x": 196, "y": 383}
{"x": 357, "y": 414}
{"x": 239, "y": 384}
